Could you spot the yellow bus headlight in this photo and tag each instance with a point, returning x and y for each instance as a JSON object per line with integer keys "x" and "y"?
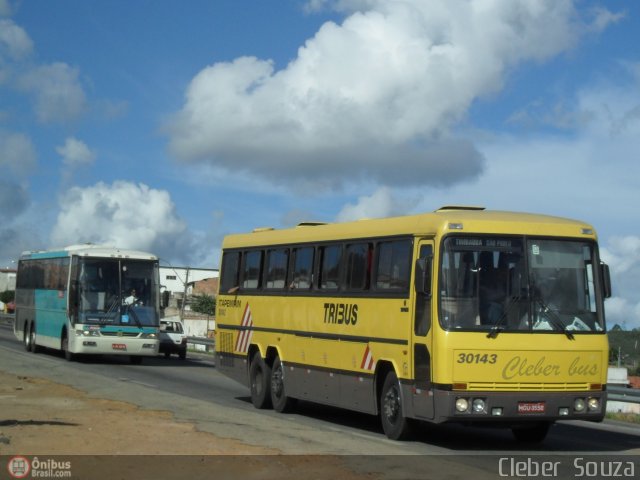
{"x": 479, "y": 405}
{"x": 462, "y": 404}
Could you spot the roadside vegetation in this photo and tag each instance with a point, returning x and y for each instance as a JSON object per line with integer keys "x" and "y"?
{"x": 624, "y": 349}
{"x": 7, "y": 296}
{"x": 624, "y": 417}
{"x": 204, "y": 304}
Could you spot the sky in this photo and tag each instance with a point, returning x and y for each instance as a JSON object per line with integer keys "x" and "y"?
{"x": 163, "y": 125}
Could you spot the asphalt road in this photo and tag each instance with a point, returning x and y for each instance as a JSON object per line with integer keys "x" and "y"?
{"x": 196, "y": 392}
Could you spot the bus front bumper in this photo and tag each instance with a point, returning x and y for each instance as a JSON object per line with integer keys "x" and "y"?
{"x": 115, "y": 345}
{"x": 517, "y": 407}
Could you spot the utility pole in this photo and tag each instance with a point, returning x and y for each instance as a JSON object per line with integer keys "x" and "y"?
{"x": 184, "y": 296}
{"x": 619, "y": 353}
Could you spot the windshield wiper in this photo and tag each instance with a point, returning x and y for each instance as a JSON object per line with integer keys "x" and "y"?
{"x": 134, "y": 315}
{"x": 113, "y": 306}
{"x": 553, "y": 317}
{"x": 549, "y": 314}
{"x": 498, "y": 326}
{"x": 495, "y": 330}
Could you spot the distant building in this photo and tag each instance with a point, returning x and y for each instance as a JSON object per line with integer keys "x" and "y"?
{"x": 173, "y": 279}
{"x": 617, "y": 376}
{"x": 7, "y": 279}
{"x": 199, "y": 281}
{"x": 208, "y": 286}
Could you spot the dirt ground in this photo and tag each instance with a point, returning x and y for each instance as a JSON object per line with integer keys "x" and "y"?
{"x": 41, "y": 418}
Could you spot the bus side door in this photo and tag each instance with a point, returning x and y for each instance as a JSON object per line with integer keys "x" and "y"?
{"x": 422, "y": 335}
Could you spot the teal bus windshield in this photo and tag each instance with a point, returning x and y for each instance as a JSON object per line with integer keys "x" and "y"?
{"x": 115, "y": 292}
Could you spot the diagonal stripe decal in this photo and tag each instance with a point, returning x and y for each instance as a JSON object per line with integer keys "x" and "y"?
{"x": 246, "y": 332}
{"x": 367, "y": 360}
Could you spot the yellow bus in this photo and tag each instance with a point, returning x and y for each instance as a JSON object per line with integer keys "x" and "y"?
{"x": 459, "y": 315}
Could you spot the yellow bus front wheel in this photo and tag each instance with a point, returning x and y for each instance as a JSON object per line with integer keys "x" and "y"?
{"x": 395, "y": 425}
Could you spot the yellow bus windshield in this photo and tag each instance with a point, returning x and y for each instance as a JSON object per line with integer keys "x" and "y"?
{"x": 519, "y": 284}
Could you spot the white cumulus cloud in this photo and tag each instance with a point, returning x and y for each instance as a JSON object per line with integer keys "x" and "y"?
{"x": 75, "y": 153}
{"x": 622, "y": 254}
{"x": 57, "y": 91}
{"x": 122, "y": 214}
{"x": 14, "y": 41}
{"x": 623, "y": 312}
{"x": 381, "y": 203}
{"x": 374, "y": 97}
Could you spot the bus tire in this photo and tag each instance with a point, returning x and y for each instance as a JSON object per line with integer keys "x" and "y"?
{"x": 260, "y": 382}
{"x": 33, "y": 347}
{"x": 395, "y": 425}
{"x": 26, "y": 338}
{"x": 534, "y": 433}
{"x": 135, "y": 360}
{"x": 70, "y": 357}
{"x": 281, "y": 402}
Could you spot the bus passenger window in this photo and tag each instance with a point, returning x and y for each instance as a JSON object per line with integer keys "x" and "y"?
{"x": 359, "y": 266}
{"x": 277, "y": 268}
{"x": 330, "y": 267}
{"x": 252, "y": 269}
{"x": 229, "y": 271}
{"x": 302, "y": 268}
{"x": 394, "y": 265}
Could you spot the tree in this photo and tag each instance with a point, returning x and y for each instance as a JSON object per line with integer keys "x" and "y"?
{"x": 613, "y": 356}
{"x": 7, "y": 296}
{"x": 204, "y": 304}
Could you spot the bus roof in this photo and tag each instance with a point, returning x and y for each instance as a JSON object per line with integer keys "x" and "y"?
{"x": 89, "y": 250}
{"x": 455, "y": 219}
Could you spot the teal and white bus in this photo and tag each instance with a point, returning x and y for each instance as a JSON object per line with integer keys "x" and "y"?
{"x": 89, "y": 299}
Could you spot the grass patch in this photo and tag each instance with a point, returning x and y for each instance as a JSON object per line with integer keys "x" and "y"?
{"x": 624, "y": 417}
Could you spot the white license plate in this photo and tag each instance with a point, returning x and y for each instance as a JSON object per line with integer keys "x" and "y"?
{"x": 530, "y": 407}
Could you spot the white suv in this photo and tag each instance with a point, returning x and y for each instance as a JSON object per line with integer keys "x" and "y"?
{"x": 172, "y": 338}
